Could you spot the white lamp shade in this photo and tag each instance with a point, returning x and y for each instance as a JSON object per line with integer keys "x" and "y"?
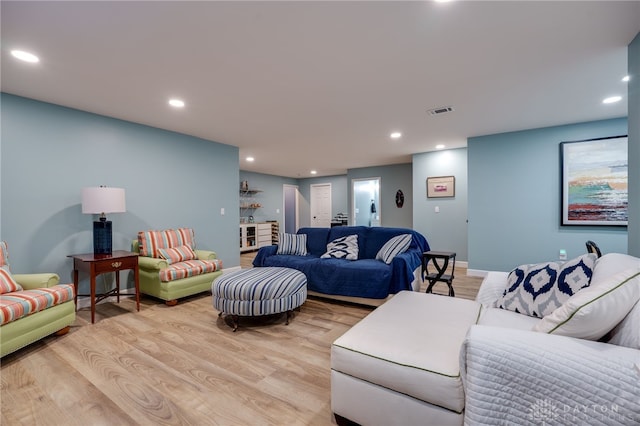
{"x": 99, "y": 200}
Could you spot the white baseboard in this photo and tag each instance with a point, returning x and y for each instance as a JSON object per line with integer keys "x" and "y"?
{"x": 477, "y": 273}
{"x": 231, "y": 269}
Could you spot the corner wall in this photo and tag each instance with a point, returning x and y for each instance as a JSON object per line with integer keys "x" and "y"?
{"x": 49, "y": 153}
{"x": 514, "y": 198}
{"x": 447, "y": 229}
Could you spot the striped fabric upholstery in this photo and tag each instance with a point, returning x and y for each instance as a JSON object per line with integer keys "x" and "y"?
{"x": 295, "y": 244}
{"x": 393, "y": 247}
{"x": 259, "y": 291}
{"x": 7, "y": 283}
{"x": 189, "y": 268}
{"x": 19, "y": 304}
{"x": 177, "y": 254}
{"x": 4, "y": 254}
{"x": 151, "y": 241}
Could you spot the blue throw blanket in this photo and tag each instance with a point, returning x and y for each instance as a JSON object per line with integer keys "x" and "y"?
{"x": 365, "y": 277}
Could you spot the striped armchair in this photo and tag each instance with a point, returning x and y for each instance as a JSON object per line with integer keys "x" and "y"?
{"x": 170, "y": 267}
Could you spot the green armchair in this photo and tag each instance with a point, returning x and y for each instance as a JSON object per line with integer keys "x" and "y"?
{"x": 166, "y": 272}
{"x": 22, "y": 322}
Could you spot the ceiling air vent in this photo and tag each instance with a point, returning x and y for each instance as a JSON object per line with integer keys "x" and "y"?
{"x": 441, "y": 110}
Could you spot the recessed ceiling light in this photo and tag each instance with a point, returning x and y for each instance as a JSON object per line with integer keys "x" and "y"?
{"x": 250, "y": 159}
{"x": 611, "y": 99}
{"x": 176, "y": 103}
{"x": 395, "y": 135}
{"x": 440, "y": 146}
{"x": 626, "y": 78}
{"x": 313, "y": 172}
{"x": 25, "y": 56}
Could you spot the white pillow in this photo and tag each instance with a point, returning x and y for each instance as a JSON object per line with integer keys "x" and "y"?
{"x": 627, "y": 333}
{"x": 594, "y": 311}
{"x": 342, "y": 248}
{"x": 293, "y": 244}
{"x": 393, "y": 247}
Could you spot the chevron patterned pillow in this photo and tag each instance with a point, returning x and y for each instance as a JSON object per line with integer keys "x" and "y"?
{"x": 539, "y": 289}
{"x": 342, "y": 248}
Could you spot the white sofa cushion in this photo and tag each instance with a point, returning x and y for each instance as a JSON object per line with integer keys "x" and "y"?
{"x": 496, "y": 317}
{"x": 410, "y": 345}
{"x": 593, "y": 312}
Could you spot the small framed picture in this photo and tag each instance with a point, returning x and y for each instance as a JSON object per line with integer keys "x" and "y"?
{"x": 441, "y": 186}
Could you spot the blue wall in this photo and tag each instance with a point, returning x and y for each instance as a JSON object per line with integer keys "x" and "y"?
{"x": 634, "y": 146}
{"x": 446, "y": 230}
{"x": 514, "y": 198}
{"x": 49, "y": 153}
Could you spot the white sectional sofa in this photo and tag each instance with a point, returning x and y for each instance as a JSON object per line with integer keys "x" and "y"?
{"x": 434, "y": 360}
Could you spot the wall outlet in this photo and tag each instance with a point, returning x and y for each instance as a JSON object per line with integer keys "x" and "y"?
{"x": 277, "y": 211}
{"x": 437, "y": 209}
{"x": 222, "y": 211}
{"x": 562, "y": 255}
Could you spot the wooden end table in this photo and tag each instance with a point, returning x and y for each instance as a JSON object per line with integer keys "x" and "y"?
{"x": 96, "y": 264}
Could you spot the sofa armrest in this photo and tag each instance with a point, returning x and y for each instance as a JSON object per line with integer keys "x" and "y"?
{"x": 151, "y": 263}
{"x": 206, "y": 254}
{"x": 492, "y": 288}
{"x": 263, "y": 253}
{"x": 519, "y": 377}
{"x": 33, "y": 281}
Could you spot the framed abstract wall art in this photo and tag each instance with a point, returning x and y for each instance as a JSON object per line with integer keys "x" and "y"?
{"x": 594, "y": 181}
{"x": 441, "y": 186}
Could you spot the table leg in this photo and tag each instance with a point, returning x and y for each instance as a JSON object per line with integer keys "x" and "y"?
{"x": 75, "y": 283}
{"x": 93, "y": 295}
{"x": 136, "y": 279}
{"x": 117, "y": 286}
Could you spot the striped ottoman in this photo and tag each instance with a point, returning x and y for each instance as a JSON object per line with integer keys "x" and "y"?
{"x": 259, "y": 291}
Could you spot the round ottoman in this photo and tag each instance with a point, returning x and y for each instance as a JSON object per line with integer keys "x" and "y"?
{"x": 259, "y": 291}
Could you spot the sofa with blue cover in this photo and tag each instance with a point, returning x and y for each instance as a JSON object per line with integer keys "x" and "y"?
{"x": 369, "y": 274}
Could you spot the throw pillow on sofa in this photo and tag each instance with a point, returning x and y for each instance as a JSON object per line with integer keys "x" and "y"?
{"x": 177, "y": 254}
{"x": 7, "y": 283}
{"x": 594, "y": 311}
{"x": 539, "y": 289}
{"x": 393, "y": 247}
{"x": 342, "y": 248}
{"x": 295, "y": 244}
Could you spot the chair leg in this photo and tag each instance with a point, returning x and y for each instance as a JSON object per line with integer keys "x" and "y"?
{"x": 63, "y": 331}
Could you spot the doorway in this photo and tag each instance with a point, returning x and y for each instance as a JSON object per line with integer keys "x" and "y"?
{"x": 320, "y": 205}
{"x": 290, "y": 209}
{"x": 366, "y": 202}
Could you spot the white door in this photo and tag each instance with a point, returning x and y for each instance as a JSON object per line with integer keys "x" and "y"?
{"x": 320, "y": 205}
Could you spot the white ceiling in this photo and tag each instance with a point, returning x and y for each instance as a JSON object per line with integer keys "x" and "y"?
{"x": 320, "y": 85}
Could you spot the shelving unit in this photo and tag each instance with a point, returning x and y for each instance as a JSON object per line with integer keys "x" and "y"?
{"x": 248, "y": 202}
{"x": 275, "y": 230}
{"x": 255, "y": 235}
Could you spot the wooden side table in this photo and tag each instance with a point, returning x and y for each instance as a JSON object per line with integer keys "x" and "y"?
{"x": 95, "y": 265}
{"x": 439, "y": 275}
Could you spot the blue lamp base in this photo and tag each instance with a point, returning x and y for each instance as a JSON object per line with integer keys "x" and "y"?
{"x": 102, "y": 237}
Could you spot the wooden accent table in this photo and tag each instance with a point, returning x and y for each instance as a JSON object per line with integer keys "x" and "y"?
{"x": 98, "y": 264}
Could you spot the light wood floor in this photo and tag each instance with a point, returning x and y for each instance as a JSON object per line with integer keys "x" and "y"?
{"x": 182, "y": 365}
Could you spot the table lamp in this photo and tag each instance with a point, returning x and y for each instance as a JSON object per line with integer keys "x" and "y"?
{"x": 102, "y": 200}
